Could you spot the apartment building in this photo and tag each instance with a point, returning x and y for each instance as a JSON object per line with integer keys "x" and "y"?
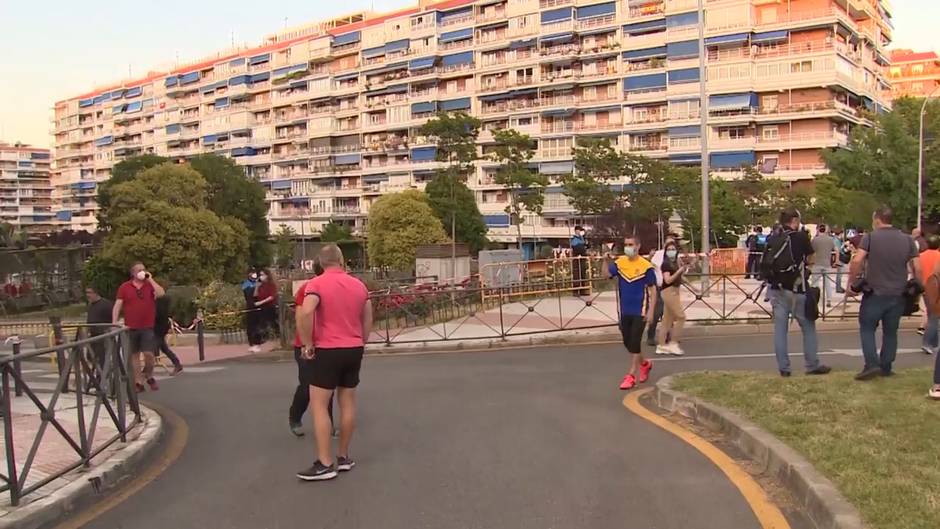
{"x": 327, "y": 117}
{"x": 914, "y": 74}
{"x": 26, "y": 190}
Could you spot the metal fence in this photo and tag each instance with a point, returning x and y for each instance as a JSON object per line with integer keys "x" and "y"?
{"x": 95, "y": 371}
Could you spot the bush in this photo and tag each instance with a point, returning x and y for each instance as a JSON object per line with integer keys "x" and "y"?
{"x": 183, "y": 303}
{"x": 221, "y": 305}
{"x": 102, "y": 276}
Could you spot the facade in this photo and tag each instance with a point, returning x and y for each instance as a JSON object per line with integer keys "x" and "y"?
{"x": 26, "y": 190}
{"x": 914, "y": 74}
{"x": 326, "y": 116}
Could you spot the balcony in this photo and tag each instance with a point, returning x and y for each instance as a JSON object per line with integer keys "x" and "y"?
{"x": 745, "y": 142}
{"x": 650, "y": 94}
{"x": 795, "y": 171}
{"x": 491, "y": 15}
{"x": 802, "y": 140}
{"x": 652, "y": 146}
{"x": 456, "y": 21}
{"x": 650, "y": 9}
{"x": 596, "y": 22}
{"x": 647, "y": 118}
{"x": 548, "y": 4}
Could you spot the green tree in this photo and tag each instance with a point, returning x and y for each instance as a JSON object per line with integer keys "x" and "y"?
{"x": 335, "y": 232}
{"x": 526, "y": 187}
{"x": 455, "y": 136}
{"x": 284, "y": 246}
{"x": 398, "y": 224}
{"x": 161, "y": 218}
{"x": 729, "y": 216}
{"x": 881, "y": 161}
{"x": 122, "y": 171}
{"x": 588, "y": 189}
{"x": 839, "y": 206}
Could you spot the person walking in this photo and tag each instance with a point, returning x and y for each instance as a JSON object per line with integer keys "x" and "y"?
{"x": 99, "y": 320}
{"x": 932, "y": 300}
{"x": 656, "y": 259}
{"x": 755, "y": 244}
{"x": 161, "y": 328}
{"x": 334, "y": 323}
{"x": 930, "y": 263}
{"x": 301, "y": 400}
{"x": 673, "y": 314}
{"x": 636, "y": 285}
{"x": 784, "y": 263}
{"x": 137, "y": 300}
{"x": 888, "y": 257}
{"x": 824, "y": 248}
{"x": 266, "y": 305}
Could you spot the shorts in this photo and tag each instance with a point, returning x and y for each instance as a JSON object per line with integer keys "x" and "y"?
{"x": 141, "y": 341}
{"x": 631, "y": 328}
{"x": 332, "y": 368}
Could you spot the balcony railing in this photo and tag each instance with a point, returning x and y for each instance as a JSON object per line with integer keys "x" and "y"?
{"x": 594, "y": 22}
{"x": 453, "y": 21}
{"x": 650, "y": 146}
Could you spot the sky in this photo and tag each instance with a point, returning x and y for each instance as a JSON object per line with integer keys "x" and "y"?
{"x": 88, "y": 44}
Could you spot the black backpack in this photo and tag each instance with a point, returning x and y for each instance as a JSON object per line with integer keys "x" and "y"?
{"x": 777, "y": 261}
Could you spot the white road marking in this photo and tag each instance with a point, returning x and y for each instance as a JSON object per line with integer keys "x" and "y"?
{"x": 846, "y": 352}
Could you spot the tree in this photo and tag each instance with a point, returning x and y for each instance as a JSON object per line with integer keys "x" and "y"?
{"x": 455, "y": 136}
{"x": 231, "y": 193}
{"x": 836, "y": 205}
{"x": 513, "y": 151}
{"x": 284, "y": 246}
{"x": 335, "y": 232}
{"x": 588, "y": 189}
{"x": 881, "y": 161}
{"x": 729, "y": 216}
{"x": 161, "y": 218}
{"x": 398, "y": 224}
{"x": 122, "y": 171}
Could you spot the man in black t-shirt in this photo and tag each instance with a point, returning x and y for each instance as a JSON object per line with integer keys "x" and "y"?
{"x": 788, "y": 295}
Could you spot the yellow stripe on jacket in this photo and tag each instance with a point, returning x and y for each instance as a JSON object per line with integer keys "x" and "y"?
{"x": 632, "y": 269}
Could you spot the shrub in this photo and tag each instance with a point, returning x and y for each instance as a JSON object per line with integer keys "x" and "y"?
{"x": 102, "y": 276}
{"x": 221, "y": 305}
{"x": 183, "y": 303}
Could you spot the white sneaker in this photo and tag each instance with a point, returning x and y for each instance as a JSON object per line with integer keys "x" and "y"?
{"x": 663, "y": 350}
{"x": 928, "y": 350}
{"x": 934, "y": 393}
{"x": 254, "y": 349}
{"x": 676, "y": 349}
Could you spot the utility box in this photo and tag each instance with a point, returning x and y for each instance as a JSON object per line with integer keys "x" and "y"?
{"x": 437, "y": 263}
{"x": 501, "y": 268}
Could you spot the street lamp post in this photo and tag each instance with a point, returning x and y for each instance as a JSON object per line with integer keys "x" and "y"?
{"x": 703, "y": 111}
{"x": 920, "y": 160}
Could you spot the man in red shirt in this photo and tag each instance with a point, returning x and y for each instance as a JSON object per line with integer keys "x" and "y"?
{"x": 333, "y": 322}
{"x": 301, "y": 400}
{"x": 138, "y": 299}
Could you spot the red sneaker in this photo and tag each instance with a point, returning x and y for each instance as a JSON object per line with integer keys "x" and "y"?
{"x": 629, "y": 382}
{"x": 153, "y": 384}
{"x": 645, "y": 369}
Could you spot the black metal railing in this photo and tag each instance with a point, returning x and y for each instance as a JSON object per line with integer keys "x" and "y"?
{"x": 97, "y": 371}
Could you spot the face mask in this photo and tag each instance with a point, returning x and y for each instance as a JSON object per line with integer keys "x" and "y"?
{"x": 141, "y": 275}
{"x": 253, "y": 276}
{"x": 671, "y": 254}
{"x": 630, "y": 251}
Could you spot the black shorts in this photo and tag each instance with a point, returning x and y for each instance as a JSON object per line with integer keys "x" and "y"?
{"x": 332, "y": 368}
{"x": 631, "y": 328}
{"x": 141, "y": 341}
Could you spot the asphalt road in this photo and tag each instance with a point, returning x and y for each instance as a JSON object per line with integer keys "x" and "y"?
{"x": 529, "y": 438}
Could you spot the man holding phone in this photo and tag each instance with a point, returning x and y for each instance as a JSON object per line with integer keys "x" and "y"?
{"x": 137, "y": 297}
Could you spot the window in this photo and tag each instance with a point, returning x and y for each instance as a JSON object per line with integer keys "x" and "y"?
{"x": 771, "y": 102}
{"x": 917, "y": 87}
{"x": 917, "y": 69}
{"x": 771, "y": 133}
{"x": 802, "y": 66}
{"x": 732, "y": 133}
{"x": 589, "y": 94}
{"x": 523, "y": 21}
{"x": 895, "y": 71}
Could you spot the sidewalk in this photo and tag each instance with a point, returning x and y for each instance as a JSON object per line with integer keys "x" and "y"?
{"x": 54, "y": 455}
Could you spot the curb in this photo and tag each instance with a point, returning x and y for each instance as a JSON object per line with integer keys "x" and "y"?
{"x": 86, "y": 487}
{"x": 814, "y": 494}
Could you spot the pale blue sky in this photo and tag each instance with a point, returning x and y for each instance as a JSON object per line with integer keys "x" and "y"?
{"x": 53, "y": 50}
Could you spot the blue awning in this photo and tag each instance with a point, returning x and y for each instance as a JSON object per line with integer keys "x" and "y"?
{"x": 117, "y": 109}
{"x": 134, "y": 92}
{"x": 244, "y": 151}
{"x": 375, "y": 178}
{"x": 86, "y": 102}
{"x": 213, "y": 87}
{"x": 63, "y": 215}
{"x": 688, "y": 75}
{"x": 237, "y": 62}
{"x": 684, "y": 159}
{"x": 732, "y": 160}
{"x": 189, "y": 78}
{"x": 555, "y": 168}
{"x": 259, "y": 59}
{"x": 298, "y": 84}
{"x": 87, "y": 185}
{"x": 455, "y": 104}
{"x": 222, "y": 102}
{"x": 496, "y": 220}
{"x": 280, "y": 184}
{"x": 280, "y": 72}
{"x": 105, "y": 140}
{"x": 397, "y": 45}
{"x": 561, "y": 112}
{"x": 373, "y": 52}
{"x": 258, "y": 77}
{"x": 597, "y": 10}
{"x": 346, "y": 76}
{"x": 558, "y": 37}
{"x": 210, "y": 139}
{"x": 241, "y": 79}
{"x": 732, "y": 101}
{"x": 423, "y": 154}
{"x": 519, "y": 44}
{"x": 454, "y": 13}
{"x": 389, "y": 68}
{"x": 101, "y": 98}
{"x": 347, "y": 159}
{"x": 171, "y": 81}
{"x": 643, "y": 82}
{"x": 172, "y": 129}
{"x": 556, "y": 15}
{"x": 682, "y": 50}
{"x": 302, "y": 67}
{"x": 457, "y": 59}
{"x": 694, "y": 130}
{"x": 454, "y": 36}
{"x": 685, "y": 19}
{"x": 423, "y": 108}
{"x": 134, "y": 106}
{"x": 645, "y": 27}
{"x": 346, "y": 38}
{"x": 117, "y": 94}
{"x": 496, "y": 97}
{"x": 770, "y": 36}
{"x": 737, "y": 38}
{"x": 422, "y": 63}
{"x": 646, "y": 53}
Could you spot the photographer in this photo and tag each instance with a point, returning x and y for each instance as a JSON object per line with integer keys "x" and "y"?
{"x": 888, "y": 256}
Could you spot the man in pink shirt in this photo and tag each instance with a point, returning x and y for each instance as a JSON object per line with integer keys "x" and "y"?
{"x": 333, "y": 324}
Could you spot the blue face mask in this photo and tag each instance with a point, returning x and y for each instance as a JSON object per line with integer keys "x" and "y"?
{"x": 630, "y": 251}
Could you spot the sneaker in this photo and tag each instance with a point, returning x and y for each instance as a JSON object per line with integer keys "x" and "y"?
{"x": 139, "y": 387}
{"x": 928, "y": 350}
{"x": 785, "y": 374}
{"x": 176, "y": 370}
{"x": 629, "y": 382}
{"x": 663, "y": 350}
{"x": 344, "y": 464}
{"x": 868, "y": 373}
{"x": 921, "y": 331}
{"x": 676, "y": 349}
{"x": 152, "y": 382}
{"x": 820, "y": 370}
{"x": 645, "y": 369}
{"x": 295, "y": 428}
{"x": 254, "y": 349}
{"x": 318, "y": 472}
{"x": 934, "y": 393}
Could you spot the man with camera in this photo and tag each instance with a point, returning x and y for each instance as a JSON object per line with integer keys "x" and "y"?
{"x": 880, "y": 268}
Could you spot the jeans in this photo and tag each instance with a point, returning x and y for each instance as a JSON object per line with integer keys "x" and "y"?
{"x": 301, "y": 400}
{"x": 823, "y": 273}
{"x": 785, "y": 304}
{"x": 657, "y": 316}
{"x": 840, "y": 268}
{"x": 888, "y": 311}
{"x": 753, "y": 265}
{"x": 163, "y": 347}
{"x": 932, "y": 332}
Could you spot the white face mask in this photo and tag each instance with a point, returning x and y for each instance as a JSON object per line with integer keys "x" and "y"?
{"x": 141, "y": 275}
{"x": 253, "y": 276}
{"x": 630, "y": 251}
{"x": 671, "y": 254}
